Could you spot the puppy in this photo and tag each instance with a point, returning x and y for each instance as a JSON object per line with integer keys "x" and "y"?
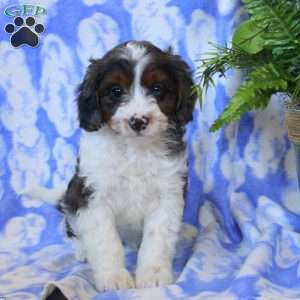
{"x": 133, "y": 105}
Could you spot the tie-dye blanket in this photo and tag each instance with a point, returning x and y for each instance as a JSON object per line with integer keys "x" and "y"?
{"x": 241, "y": 237}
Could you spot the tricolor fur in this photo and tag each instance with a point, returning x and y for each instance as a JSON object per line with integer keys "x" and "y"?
{"x": 133, "y": 105}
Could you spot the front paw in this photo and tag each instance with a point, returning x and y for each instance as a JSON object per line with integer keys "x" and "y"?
{"x": 153, "y": 276}
{"x": 113, "y": 280}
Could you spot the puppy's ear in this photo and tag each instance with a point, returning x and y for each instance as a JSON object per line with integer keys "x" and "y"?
{"x": 185, "y": 97}
{"x": 89, "y": 106}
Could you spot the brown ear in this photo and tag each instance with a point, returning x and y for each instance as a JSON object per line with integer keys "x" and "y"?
{"x": 89, "y": 110}
{"x": 185, "y": 97}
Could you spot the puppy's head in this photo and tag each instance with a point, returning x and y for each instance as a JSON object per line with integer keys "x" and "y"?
{"x": 137, "y": 90}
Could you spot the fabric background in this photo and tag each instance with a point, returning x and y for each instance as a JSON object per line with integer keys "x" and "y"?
{"x": 241, "y": 239}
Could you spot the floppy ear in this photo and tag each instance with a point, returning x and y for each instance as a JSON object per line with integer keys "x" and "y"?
{"x": 89, "y": 108}
{"x": 185, "y": 97}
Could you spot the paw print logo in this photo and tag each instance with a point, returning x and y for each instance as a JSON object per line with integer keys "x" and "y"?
{"x": 27, "y": 33}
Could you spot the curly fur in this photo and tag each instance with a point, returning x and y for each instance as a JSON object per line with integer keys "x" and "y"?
{"x": 130, "y": 178}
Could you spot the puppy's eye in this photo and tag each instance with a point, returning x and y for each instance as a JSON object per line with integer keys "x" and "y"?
{"x": 116, "y": 91}
{"x": 157, "y": 89}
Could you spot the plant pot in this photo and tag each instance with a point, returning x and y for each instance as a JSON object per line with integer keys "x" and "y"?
{"x": 293, "y": 126}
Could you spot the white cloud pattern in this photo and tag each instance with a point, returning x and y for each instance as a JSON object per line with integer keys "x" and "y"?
{"x": 243, "y": 177}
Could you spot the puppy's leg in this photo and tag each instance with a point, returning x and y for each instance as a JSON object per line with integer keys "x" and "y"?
{"x": 155, "y": 256}
{"x": 103, "y": 249}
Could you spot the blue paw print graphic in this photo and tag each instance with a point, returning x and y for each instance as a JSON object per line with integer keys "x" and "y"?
{"x": 24, "y": 34}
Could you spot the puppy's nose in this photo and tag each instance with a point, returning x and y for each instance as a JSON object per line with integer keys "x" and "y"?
{"x": 138, "y": 124}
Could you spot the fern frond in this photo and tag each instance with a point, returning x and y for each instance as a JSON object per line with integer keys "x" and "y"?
{"x": 273, "y": 64}
{"x": 281, "y": 22}
{"x": 222, "y": 59}
{"x": 254, "y": 93}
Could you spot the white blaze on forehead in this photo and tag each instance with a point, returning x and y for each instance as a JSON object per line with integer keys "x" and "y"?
{"x": 135, "y": 51}
{"x": 138, "y": 73}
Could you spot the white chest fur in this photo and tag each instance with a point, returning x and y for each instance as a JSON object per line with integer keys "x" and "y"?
{"x": 131, "y": 176}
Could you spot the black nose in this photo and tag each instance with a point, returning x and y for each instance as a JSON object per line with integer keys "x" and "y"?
{"x": 138, "y": 124}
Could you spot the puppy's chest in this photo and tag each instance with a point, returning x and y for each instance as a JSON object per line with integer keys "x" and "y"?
{"x": 131, "y": 180}
{"x": 134, "y": 174}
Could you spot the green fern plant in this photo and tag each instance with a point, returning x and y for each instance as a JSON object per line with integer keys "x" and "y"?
{"x": 267, "y": 46}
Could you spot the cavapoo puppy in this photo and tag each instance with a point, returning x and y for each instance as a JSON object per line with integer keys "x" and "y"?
{"x": 133, "y": 105}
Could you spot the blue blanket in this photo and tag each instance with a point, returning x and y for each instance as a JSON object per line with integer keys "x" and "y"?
{"x": 240, "y": 239}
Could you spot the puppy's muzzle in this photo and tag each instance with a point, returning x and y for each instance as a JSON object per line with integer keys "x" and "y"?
{"x": 138, "y": 124}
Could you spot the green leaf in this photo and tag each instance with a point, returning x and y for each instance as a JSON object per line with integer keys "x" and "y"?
{"x": 197, "y": 91}
{"x": 253, "y": 94}
{"x": 268, "y": 48}
{"x": 248, "y": 37}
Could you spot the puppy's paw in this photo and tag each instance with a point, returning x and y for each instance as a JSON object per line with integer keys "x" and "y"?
{"x": 113, "y": 280}
{"x": 153, "y": 276}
